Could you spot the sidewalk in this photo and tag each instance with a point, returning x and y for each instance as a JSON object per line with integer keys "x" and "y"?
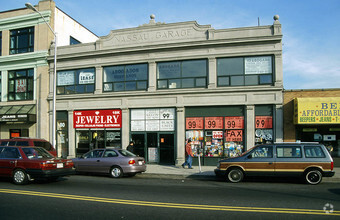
{"x": 176, "y": 172}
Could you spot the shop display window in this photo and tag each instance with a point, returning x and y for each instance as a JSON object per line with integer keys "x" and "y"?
{"x": 264, "y": 124}
{"x": 216, "y": 136}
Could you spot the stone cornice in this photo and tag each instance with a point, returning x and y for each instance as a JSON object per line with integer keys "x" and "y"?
{"x": 22, "y": 21}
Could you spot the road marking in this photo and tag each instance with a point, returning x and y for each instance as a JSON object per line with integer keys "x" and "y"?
{"x": 172, "y": 205}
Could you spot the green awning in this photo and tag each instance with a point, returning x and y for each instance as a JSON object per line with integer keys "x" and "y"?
{"x": 18, "y": 113}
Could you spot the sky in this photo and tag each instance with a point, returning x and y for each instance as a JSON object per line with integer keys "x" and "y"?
{"x": 311, "y": 28}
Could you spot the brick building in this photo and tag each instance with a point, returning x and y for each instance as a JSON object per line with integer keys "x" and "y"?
{"x": 313, "y": 115}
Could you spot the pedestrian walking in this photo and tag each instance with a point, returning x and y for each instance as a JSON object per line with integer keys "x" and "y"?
{"x": 130, "y": 147}
{"x": 189, "y": 155}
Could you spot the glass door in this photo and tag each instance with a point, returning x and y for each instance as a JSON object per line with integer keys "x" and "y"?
{"x": 166, "y": 149}
{"x": 139, "y": 144}
{"x": 152, "y": 146}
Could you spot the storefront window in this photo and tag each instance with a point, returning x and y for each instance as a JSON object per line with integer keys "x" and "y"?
{"x": 20, "y": 84}
{"x": 125, "y": 78}
{"x": 76, "y": 81}
{"x": 245, "y": 71}
{"x": 215, "y": 136}
{"x": 182, "y": 74}
{"x": 264, "y": 124}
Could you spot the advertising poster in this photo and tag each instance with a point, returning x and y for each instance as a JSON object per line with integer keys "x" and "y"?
{"x": 97, "y": 119}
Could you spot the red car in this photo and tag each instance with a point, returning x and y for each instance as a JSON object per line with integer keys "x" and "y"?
{"x": 24, "y": 164}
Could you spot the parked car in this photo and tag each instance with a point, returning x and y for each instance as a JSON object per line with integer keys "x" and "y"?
{"x": 310, "y": 161}
{"x": 26, "y": 141}
{"x": 24, "y": 164}
{"x": 115, "y": 162}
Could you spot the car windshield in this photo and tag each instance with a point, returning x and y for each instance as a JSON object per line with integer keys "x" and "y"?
{"x": 126, "y": 153}
{"x": 37, "y": 153}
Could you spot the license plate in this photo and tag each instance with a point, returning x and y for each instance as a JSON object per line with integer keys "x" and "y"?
{"x": 60, "y": 165}
{"x": 140, "y": 162}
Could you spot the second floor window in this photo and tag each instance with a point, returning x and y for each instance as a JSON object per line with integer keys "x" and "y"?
{"x": 76, "y": 81}
{"x": 245, "y": 71}
{"x": 125, "y": 77}
{"x": 22, "y": 40}
{"x": 182, "y": 74}
{"x": 20, "y": 85}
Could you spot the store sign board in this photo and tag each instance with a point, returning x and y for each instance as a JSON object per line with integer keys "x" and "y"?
{"x": 192, "y": 123}
{"x": 234, "y": 122}
{"x": 218, "y": 134}
{"x": 97, "y": 119}
{"x": 167, "y": 125}
{"x": 233, "y": 135}
{"x": 152, "y": 125}
{"x": 137, "y": 125}
{"x": 263, "y": 122}
{"x": 213, "y": 123}
{"x": 317, "y": 110}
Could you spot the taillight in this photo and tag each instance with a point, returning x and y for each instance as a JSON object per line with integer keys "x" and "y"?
{"x": 47, "y": 164}
{"x": 332, "y": 165}
{"x": 131, "y": 162}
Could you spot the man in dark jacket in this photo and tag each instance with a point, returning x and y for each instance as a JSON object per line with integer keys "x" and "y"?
{"x": 130, "y": 147}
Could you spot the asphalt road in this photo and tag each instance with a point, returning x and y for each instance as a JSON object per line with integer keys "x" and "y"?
{"x": 101, "y": 197}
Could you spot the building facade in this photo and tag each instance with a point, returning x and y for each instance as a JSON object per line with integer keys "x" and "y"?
{"x": 313, "y": 115}
{"x": 25, "y": 41}
{"x": 161, "y": 84}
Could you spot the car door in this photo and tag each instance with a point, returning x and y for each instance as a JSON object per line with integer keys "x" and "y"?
{"x": 90, "y": 161}
{"x": 289, "y": 160}
{"x": 109, "y": 159}
{"x": 8, "y": 160}
{"x": 260, "y": 161}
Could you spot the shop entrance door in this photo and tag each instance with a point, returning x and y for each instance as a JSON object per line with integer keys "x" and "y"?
{"x": 97, "y": 139}
{"x": 166, "y": 149}
{"x": 139, "y": 144}
{"x": 155, "y": 147}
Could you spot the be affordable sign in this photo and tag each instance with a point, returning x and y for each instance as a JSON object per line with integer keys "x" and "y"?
{"x": 97, "y": 119}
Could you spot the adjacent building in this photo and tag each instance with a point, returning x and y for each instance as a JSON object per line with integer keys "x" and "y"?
{"x": 161, "y": 84}
{"x": 25, "y": 41}
{"x": 313, "y": 115}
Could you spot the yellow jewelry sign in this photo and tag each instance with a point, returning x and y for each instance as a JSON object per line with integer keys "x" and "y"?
{"x": 317, "y": 110}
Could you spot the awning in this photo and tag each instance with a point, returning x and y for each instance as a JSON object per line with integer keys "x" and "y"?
{"x": 324, "y": 110}
{"x": 18, "y": 113}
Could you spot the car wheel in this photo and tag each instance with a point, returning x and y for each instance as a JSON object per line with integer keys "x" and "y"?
{"x": 116, "y": 172}
{"x": 235, "y": 175}
{"x": 20, "y": 177}
{"x": 313, "y": 177}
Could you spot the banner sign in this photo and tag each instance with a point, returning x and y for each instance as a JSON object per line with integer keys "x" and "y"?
{"x": 264, "y": 122}
{"x": 258, "y": 65}
{"x": 234, "y": 122}
{"x": 194, "y": 123}
{"x": 97, "y": 119}
{"x": 233, "y": 135}
{"x": 317, "y": 110}
{"x": 20, "y": 85}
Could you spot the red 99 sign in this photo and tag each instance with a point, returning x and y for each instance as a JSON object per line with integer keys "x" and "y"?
{"x": 263, "y": 122}
{"x": 213, "y": 122}
{"x": 234, "y": 122}
{"x": 194, "y": 123}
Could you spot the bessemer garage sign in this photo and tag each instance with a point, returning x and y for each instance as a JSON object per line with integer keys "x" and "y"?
{"x": 97, "y": 118}
{"x": 317, "y": 110}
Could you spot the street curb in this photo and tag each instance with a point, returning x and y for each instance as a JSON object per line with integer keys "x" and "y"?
{"x": 199, "y": 176}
